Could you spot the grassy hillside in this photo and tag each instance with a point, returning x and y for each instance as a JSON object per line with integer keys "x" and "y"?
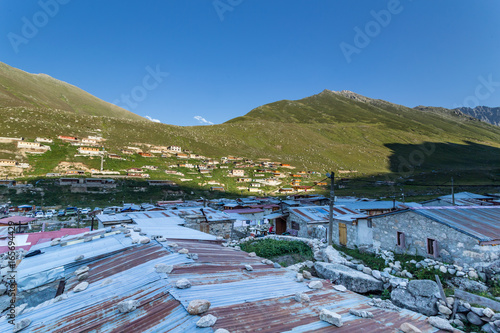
{"x": 330, "y": 130}
{"x": 18, "y": 88}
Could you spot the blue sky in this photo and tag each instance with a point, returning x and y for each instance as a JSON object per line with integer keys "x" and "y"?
{"x": 226, "y": 57}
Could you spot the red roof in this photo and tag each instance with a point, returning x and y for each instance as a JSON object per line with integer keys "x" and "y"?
{"x": 16, "y": 219}
{"x": 42, "y": 237}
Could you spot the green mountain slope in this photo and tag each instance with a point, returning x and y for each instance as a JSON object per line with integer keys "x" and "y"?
{"x": 22, "y": 89}
{"x": 330, "y": 130}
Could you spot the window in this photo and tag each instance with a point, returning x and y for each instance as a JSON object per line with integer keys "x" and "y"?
{"x": 432, "y": 247}
{"x": 369, "y": 223}
{"x": 401, "y": 239}
{"x": 295, "y": 226}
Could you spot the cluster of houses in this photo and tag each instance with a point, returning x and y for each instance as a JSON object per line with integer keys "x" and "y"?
{"x": 467, "y": 232}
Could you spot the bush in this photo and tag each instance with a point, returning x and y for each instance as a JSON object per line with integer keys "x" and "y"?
{"x": 270, "y": 248}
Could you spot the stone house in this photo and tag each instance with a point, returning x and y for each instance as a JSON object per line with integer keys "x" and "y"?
{"x": 350, "y": 228}
{"x": 455, "y": 234}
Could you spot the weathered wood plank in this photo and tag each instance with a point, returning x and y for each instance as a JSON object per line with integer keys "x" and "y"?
{"x": 441, "y": 290}
{"x": 475, "y": 299}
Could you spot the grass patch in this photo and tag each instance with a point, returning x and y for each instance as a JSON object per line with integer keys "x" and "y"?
{"x": 272, "y": 248}
{"x": 367, "y": 258}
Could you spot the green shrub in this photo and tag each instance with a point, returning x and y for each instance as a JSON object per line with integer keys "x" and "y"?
{"x": 270, "y": 248}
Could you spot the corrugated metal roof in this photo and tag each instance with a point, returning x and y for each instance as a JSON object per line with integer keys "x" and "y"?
{"x": 166, "y": 227}
{"x": 132, "y": 277}
{"x": 481, "y": 222}
{"x": 283, "y": 314}
{"x": 321, "y": 213}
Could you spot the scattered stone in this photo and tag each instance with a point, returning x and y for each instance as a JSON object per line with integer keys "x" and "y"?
{"x": 300, "y": 277}
{"x": 183, "y": 251}
{"x": 127, "y": 306}
{"x": 458, "y": 322}
{"x": 468, "y": 285}
{"x": 82, "y": 270}
{"x": 302, "y": 298}
{"x": 21, "y": 324}
{"x": 339, "y": 287}
{"x": 376, "y": 274}
{"x": 384, "y": 304}
{"x": 248, "y": 268}
{"x": 473, "y": 275}
{"x": 307, "y": 275}
{"x": 206, "y": 321}
{"x": 474, "y": 319}
{"x": 276, "y": 265}
{"x": 478, "y": 311}
{"x": 81, "y": 287}
{"x": 198, "y": 306}
{"x": 409, "y": 328}
{"x": 83, "y": 276}
{"x": 360, "y": 267}
{"x": 145, "y": 240}
{"x": 450, "y": 300}
{"x": 163, "y": 268}
{"x": 444, "y": 310}
{"x": 106, "y": 282}
{"x": 80, "y": 257}
{"x": 488, "y": 312}
{"x": 193, "y": 256}
{"x": 367, "y": 270}
{"x": 315, "y": 284}
{"x": 348, "y": 277}
{"x": 331, "y": 317}
{"x": 173, "y": 244}
{"x": 440, "y": 323}
{"x": 183, "y": 284}
{"x": 55, "y": 242}
{"x": 420, "y": 296}
{"x": 137, "y": 229}
{"x": 452, "y": 271}
{"x": 221, "y": 330}
{"x": 488, "y": 328}
{"x": 361, "y": 313}
{"x": 252, "y": 254}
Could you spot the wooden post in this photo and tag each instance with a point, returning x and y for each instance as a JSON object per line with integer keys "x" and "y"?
{"x": 441, "y": 291}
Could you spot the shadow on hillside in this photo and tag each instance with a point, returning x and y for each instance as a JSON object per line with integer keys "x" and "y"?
{"x": 408, "y": 159}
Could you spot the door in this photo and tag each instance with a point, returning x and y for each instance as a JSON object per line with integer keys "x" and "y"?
{"x": 342, "y": 234}
{"x": 280, "y": 226}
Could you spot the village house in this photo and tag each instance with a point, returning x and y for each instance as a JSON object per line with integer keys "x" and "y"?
{"x": 4, "y": 139}
{"x": 115, "y": 157}
{"x": 217, "y": 189}
{"x": 26, "y": 144}
{"x": 350, "y": 228}
{"x": 8, "y": 163}
{"x": 67, "y": 138}
{"x": 150, "y": 167}
{"x": 237, "y": 173}
{"x": 75, "y": 172}
{"x": 135, "y": 170}
{"x": 175, "y": 149}
{"x": 461, "y": 199}
{"x": 145, "y": 154}
{"x": 127, "y": 152}
{"x": 44, "y": 140}
{"x": 161, "y": 183}
{"x": 459, "y": 234}
{"x": 89, "y": 151}
{"x": 137, "y": 175}
{"x": 286, "y": 190}
{"x": 96, "y": 137}
{"x": 182, "y": 155}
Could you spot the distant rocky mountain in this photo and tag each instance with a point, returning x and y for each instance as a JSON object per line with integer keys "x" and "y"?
{"x": 483, "y": 113}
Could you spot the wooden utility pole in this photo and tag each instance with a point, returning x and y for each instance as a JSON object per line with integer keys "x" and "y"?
{"x": 332, "y": 198}
{"x": 452, "y": 192}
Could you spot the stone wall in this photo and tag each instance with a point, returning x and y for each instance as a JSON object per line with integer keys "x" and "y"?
{"x": 453, "y": 246}
{"x": 320, "y": 231}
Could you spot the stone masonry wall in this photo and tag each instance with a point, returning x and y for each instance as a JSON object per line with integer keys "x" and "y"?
{"x": 453, "y": 246}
